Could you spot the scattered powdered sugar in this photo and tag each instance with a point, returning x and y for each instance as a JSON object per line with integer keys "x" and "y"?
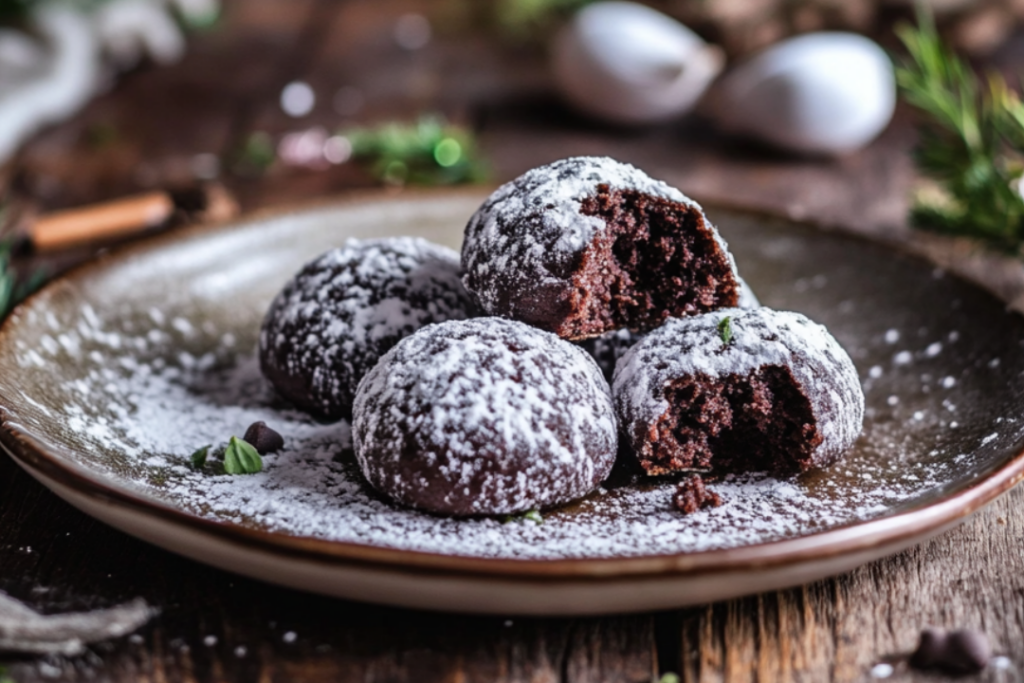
{"x": 132, "y": 398}
{"x": 683, "y": 347}
{"x": 335, "y": 318}
{"x": 528, "y": 236}
{"x": 484, "y": 416}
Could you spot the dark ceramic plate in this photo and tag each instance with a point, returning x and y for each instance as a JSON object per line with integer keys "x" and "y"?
{"x": 113, "y": 375}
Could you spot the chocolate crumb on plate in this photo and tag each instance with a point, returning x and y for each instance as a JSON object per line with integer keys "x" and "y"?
{"x": 963, "y": 651}
{"x": 263, "y": 438}
{"x": 692, "y": 495}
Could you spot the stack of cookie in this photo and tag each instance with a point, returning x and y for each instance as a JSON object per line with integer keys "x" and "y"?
{"x": 594, "y": 312}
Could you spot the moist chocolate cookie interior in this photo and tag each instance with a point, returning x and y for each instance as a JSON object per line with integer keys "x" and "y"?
{"x": 755, "y": 422}
{"x": 656, "y": 259}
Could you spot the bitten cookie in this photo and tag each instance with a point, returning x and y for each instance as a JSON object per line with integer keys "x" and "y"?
{"x": 735, "y": 390}
{"x": 332, "y": 322}
{"x": 588, "y": 245}
{"x": 484, "y": 416}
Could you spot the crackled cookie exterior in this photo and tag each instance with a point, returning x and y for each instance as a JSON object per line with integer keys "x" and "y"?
{"x": 607, "y": 349}
{"x": 333, "y": 321}
{"x": 587, "y": 245}
{"x": 767, "y": 391}
{"x": 484, "y": 416}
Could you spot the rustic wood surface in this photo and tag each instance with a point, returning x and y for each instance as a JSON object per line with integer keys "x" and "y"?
{"x": 214, "y": 626}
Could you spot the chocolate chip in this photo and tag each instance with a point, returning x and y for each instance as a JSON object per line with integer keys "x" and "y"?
{"x": 963, "y": 651}
{"x": 263, "y": 438}
{"x": 969, "y": 651}
{"x": 931, "y": 648}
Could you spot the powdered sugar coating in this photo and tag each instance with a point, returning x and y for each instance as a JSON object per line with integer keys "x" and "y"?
{"x": 524, "y": 242}
{"x": 343, "y": 310}
{"x": 761, "y": 337}
{"x": 484, "y": 416}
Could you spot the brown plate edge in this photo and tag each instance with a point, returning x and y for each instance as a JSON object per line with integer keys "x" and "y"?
{"x": 33, "y": 455}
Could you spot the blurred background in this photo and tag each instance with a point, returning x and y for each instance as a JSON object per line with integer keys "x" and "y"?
{"x": 279, "y": 101}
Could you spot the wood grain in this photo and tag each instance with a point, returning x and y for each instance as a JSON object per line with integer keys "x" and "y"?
{"x": 215, "y": 627}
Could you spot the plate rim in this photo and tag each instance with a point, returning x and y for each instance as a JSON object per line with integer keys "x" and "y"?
{"x": 58, "y": 463}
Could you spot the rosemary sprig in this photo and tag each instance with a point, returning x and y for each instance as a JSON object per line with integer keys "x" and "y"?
{"x": 971, "y": 142}
{"x": 428, "y": 152}
{"x": 13, "y": 290}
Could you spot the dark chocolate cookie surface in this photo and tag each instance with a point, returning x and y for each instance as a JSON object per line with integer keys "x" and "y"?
{"x": 587, "y": 245}
{"x": 343, "y": 310}
{"x": 484, "y": 416}
{"x": 738, "y": 390}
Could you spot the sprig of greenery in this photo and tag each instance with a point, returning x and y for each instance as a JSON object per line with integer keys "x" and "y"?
{"x": 524, "y": 19}
{"x": 255, "y": 154}
{"x": 12, "y": 290}
{"x": 428, "y": 152}
{"x": 971, "y": 142}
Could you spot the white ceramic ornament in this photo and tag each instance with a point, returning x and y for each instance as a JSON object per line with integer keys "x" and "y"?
{"x": 65, "y": 75}
{"x": 132, "y": 29}
{"x": 627, "y": 63}
{"x": 820, "y": 93}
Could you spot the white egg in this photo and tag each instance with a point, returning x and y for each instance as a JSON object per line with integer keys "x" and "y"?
{"x": 818, "y": 93}
{"x": 628, "y": 63}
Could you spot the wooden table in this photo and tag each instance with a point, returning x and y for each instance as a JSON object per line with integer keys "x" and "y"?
{"x": 215, "y": 626}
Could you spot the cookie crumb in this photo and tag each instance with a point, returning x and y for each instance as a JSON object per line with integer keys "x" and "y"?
{"x": 692, "y": 495}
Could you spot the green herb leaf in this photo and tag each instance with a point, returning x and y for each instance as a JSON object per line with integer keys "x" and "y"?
{"x": 526, "y": 20}
{"x": 725, "y": 329}
{"x": 532, "y": 515}
{"x": 4, "y": 676}
{"x": 669, "y": 677}
{"x": 241, "y": 458}
{"x": 428, "y": 152}
{"x": 971, "y": 142}
{"x": 256, "y": 154}
{"x": 199, "y": 456}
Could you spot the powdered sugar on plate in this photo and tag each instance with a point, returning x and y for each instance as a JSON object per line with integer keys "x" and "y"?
{"x": 157, "y": 411}
{"x": 127, "y": 396}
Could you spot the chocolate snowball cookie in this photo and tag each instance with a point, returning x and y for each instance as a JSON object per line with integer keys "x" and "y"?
{"x": 332, "y": 322}
{"x": 587, "y": 245}
{"x": 735, "y": 390}
{"x": 484, "y": 416}
{"x": 607, "y": 349}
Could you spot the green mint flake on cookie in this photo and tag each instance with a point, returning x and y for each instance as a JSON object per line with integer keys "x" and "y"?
{"x": 725, "y": 329}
